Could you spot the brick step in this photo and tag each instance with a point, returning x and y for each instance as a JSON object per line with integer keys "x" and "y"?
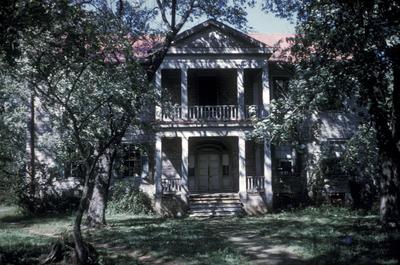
{"x": 214, "y": 195}
{"x": 215, "y": 214}
{"x": 212, "y": 205}
{"x": 213, "y": 201}
{"x": 216, "y": 206}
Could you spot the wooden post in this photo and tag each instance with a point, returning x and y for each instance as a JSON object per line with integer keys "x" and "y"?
{"x": 266, "y": 91}
{"x": 268, "y": 173}
{"x": 240, "y": 93}
{"x": 185, "y": 168}
{"x": 158, "y": 173}
{"x": 242, "y": 163}
{"x": 184, "y": 94}
{"x": 158, "y": 90}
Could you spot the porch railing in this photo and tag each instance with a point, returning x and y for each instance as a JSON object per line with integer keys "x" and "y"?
{"x": 171, "y": 186}
{"x": 217, "y": 112}
{"x": 255, "y": 184}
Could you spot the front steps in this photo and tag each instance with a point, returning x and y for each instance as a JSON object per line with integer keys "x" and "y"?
{"x": 215, "y": 204}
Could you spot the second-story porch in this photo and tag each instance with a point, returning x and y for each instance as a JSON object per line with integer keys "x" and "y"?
{"x": 204, "y": 95}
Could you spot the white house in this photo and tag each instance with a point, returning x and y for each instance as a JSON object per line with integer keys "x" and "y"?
{"x": 217, "y": 79}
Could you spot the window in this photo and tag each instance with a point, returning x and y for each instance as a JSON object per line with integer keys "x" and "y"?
{"x": 332, "y": 151}
{"x": 280, "y": 87}
{"x": 131, "y": 162}
{"x": 285, "y": 165}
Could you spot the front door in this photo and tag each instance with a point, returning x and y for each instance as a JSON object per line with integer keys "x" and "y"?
{"x": 208, "y": 172}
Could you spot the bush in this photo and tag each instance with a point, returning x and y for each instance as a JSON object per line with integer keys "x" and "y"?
{"x": 126, "y": 198}
{"x": 47, "y": 199}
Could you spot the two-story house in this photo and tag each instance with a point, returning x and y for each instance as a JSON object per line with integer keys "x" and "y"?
{"x": 214, "y": 82}
{"x": 216, "y": 79}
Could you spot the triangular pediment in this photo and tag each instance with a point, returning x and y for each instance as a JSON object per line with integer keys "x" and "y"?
{"x": 213, "y": 35}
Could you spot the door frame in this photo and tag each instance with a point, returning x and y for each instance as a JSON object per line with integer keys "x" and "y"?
{"x": 207, "y": 149}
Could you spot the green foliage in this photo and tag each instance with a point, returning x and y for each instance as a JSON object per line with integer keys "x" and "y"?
{"x": 347, "y": 54}
{"x": 340, "y": 50}
{"x": 126, "y": 198}
{"x": 360, "y": 161}
{"x": 360, "y": 157}
{"x": 13, "y": 121}
{"x": 48, "y": 203}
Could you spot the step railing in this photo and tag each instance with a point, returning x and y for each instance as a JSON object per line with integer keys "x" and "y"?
{"x": 171, "y": 185}
{"x": 255, "y": 184}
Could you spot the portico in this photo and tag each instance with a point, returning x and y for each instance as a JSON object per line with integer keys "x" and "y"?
{"x": 214, "y": 89}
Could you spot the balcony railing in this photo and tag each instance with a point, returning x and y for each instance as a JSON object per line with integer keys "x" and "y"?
{"x": 253, "y": 111}
{"x": 172, "y": 113}
{"x": 255, "y": 184}
{"x": 217, "y": 112}
{"x": 212, "y": 113}
{"x": 171, "y": 186}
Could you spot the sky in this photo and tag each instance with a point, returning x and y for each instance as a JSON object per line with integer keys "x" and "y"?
{"x": 259, "y": 20}
{"x": 263, "y": 22}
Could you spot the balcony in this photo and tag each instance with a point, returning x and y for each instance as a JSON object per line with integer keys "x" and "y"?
{"x": 222, "y": 113}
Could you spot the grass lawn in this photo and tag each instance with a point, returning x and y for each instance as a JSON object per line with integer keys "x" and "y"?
{"x": 310, "y": 236}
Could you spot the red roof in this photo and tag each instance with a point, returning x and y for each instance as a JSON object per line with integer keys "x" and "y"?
{"x": 279, "y": 42}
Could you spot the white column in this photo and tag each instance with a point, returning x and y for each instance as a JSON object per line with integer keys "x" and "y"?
{"x": 240, "y": 93}
{"x": 185, "y": 168}
{"x": 258, "y": 159}
{"x": 242, "y": 163}
{"x": 268, "y": 174}
{"x": 184, "y": 93}
{"x": 266, "y": 91}
{"x": 158, "y": 156}
{"x": 158, "y": 91}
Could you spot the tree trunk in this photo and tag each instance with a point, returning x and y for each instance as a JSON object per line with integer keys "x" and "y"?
{"x": 32, "y": 155}
{"x": 387, "y": 124}
{"x": 98, "y": 203}
{"x": 390, "y": 153}
{"x": 81, "y": 249}
{"x": 389, "y": 203}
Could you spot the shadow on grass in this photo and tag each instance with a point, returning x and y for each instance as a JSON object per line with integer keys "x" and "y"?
{"x": 21, "y": 254}
{"x": 318, "y": 238}
{"x": 21, "y": 219}
{"x": 321, "y": 240}
{"x": 168, "y": 240}
{"x": 194, "y": 241}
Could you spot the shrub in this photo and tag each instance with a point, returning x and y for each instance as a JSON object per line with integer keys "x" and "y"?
{"x": 126, "y": 198}
{"x": 47, "y": 199}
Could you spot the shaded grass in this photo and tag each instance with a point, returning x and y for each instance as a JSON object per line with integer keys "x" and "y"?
{"x": 167, "y": 240}
{"x": 325, "y": 235}
{"x": 24, "y": 238}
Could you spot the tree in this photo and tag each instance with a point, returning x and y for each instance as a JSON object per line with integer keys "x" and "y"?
{"x": 92, "y": 87}
{"x": 360, "y": 161}
{"x": 174, "y": 15}
{"x": 80, "y": 65}
{"x": 345, "y": 51}
{"x": 13, "y": 113}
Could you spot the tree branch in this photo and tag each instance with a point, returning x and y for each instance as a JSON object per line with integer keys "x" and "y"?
{"x": 161, "y": 6}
